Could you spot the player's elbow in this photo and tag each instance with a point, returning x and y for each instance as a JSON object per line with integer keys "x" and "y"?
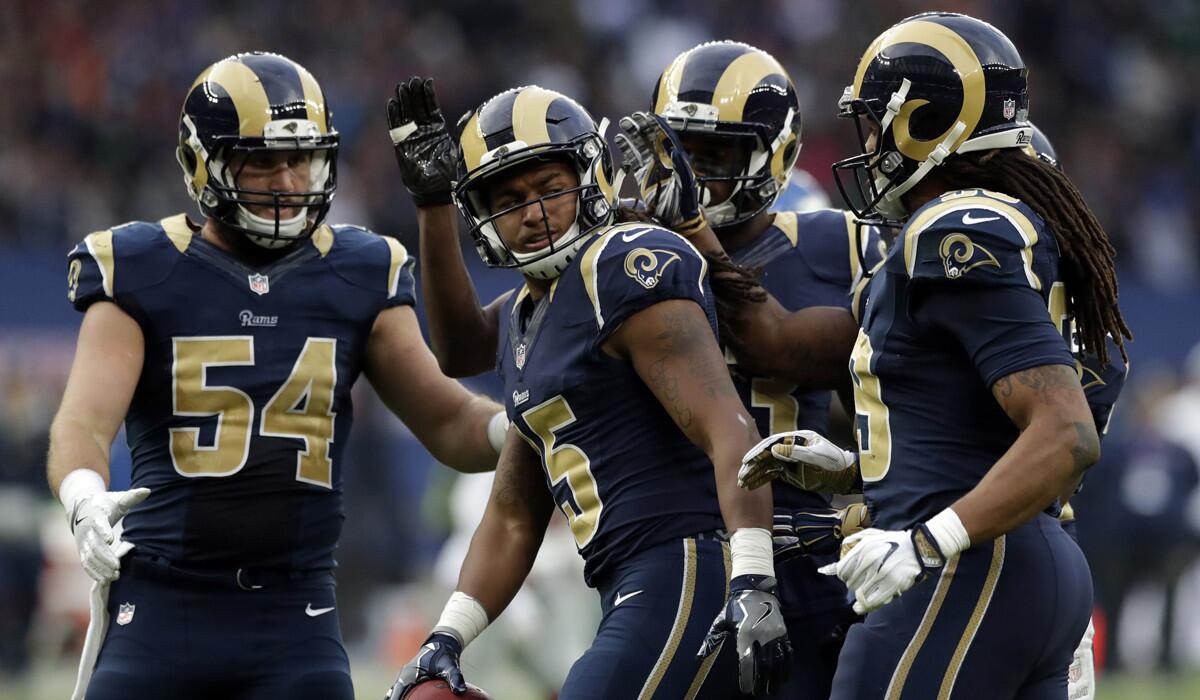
{"x": 1078, "y": 438}
{"x": 460, "y": 362}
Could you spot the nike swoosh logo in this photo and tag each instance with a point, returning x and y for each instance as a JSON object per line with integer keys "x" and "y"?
{"x": 769, "y": 609}
{"x": 969, "y": 220}
{"x": 630, "y": 237}
{"x": 892, "y": 547}
{"x": 314, "y": 612}
{"x": 622, "y": 598}
{"x": 79, "y": 520}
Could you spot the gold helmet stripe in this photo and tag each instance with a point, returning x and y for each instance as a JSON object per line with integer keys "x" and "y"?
{"x": 668, "y": 83}
{"x": 529, "y": 115}
{"x": 956, "y": 49}
{"x": 246, "y": 91}
{"x": 471, "y": 140}
{"x": 314, "y": 100}
{"x": 739, "y": 80}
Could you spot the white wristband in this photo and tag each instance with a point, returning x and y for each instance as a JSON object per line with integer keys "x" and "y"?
{"x": 948, "y": 530}
{"x": 79, "y": 483}
{"x": 463, "y": 617}
{"x": 497, "y": 431}
{"x": 750, "y": 548}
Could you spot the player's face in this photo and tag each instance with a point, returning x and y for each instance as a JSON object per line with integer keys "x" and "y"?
{"x": 532, "y": 227}
{"x": 273, "y": 171}
{"x": 717, "y": 157}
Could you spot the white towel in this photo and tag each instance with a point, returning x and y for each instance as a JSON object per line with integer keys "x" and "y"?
{"x": 97, "y": 627}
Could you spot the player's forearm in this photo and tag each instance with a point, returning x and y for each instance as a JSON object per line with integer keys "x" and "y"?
{"x": 74, "y": 444}
{"x": 464, "y": 443}
{"x": 499, "y": 559}
{"x": 739, "y": 507}
{"x": 809, "y": 347}
{"x": 462, "y": 333}
{"x": 1046, "y": 461}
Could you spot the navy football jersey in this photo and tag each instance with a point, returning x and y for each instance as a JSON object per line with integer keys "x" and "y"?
{"x": 807, "y": 259}
{"x": 616, "y": 464}
{"x": 962, "y": 300}
{"x": 243, "y": 409}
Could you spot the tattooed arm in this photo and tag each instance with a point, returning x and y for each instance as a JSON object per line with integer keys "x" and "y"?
{"x": 674, "y": 351}
{"x": 1058, "y": 442}
{"x": 511, "y": 531}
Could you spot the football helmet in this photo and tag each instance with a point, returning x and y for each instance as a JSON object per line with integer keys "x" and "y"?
{"x": 931, "y": 86}
{"x": 519, "y": 127}
{"x": 247, "y": 103}
{"x": 1040, "y": 147}
{"x": 730, "y": 90}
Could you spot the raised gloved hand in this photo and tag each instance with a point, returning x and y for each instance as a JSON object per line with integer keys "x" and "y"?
{"x": 92, "y": 517}
{"x": 753, "y": 616}
{"x": 653, "y": 156}
{"x": 803, "y": 459}
{"x": 437, "y": 658}
{"x": 816, "y": 532}
{"x": 425, "y": 152}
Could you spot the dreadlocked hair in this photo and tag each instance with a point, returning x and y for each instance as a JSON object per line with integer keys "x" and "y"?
{"x": 733, "y": 287}
{"x": 1087, "y": 254}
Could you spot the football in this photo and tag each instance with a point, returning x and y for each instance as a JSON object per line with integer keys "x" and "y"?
{"x": 438, "y": 689}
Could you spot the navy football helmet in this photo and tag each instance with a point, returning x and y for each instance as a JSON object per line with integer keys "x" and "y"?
{"x": 733, "y": 91}
{"x": 253, "y": 102}
{"x": 515, "y": 128}
{"x": 931, "y": 86}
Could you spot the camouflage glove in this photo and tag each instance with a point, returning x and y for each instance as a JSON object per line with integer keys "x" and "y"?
{"x": 424, "y": 150}
{"x": 753, "y": 616}
{"x": 653, "y": 156}
{"x": 803, "y": 459}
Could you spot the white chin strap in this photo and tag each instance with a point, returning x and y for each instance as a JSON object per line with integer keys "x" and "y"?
{"x": 890, "y": 205}
{"x": 289, "y": 229}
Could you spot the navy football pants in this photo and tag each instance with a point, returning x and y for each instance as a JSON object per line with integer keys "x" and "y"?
{"x": 1001, "y": 622}
{"x": 646, "y": 645}
{"x": 190, "y": 639}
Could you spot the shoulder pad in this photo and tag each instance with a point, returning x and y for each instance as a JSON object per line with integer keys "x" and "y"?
{"x": 631, "y": 266}
{"x": 369, "y": 260}
{"x": 983, "y": 236}
{"x": 124, "y": 259}
{"x": 828, "y": 240}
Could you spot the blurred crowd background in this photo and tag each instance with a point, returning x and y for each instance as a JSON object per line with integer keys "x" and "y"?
{"x": 88, "y": 127}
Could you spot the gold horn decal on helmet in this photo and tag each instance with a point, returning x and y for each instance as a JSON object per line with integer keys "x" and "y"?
{"x": 668, "y": 83}
{"x": 314, "y": 101}
{"x": 956, "y": 49}
{"x": 246, "y": 91}
{"x": 737, "y": 82}
{"x": 970, "y": 71}
{"x": 529, "y": 115}
{"x": 779, "y": 167}
{"x": 471, "y": 141}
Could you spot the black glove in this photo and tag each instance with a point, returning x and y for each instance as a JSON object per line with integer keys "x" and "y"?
{"x": 816, "y": 532}
{"x": 425, "y": 152}
{"x": 653, "y": 156}
{"x": 438, "y": 658}
{"x": 753, "y": 615}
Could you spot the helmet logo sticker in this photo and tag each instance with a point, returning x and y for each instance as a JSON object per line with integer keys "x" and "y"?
{"x": 1010, "y": 108}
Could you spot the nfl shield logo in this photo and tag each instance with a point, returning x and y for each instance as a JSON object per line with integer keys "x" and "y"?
{"x": 125, "y": 613}
{"x": 519, "y": 356}
{"x": 259, "y": 284}
{"x": 1010, "y": 108}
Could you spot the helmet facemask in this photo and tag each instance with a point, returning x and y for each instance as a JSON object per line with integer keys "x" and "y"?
{"x": 224, "y": 199}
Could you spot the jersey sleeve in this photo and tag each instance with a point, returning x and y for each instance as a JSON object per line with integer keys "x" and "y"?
{"x": 366, "y": 259}
{"x": 973, "y": 241}
{"x": 1102, "y": 384}
{"x": 635, "y": 267}
{"x": 1004, "y": 329}
{"x": 91, "y": 270}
